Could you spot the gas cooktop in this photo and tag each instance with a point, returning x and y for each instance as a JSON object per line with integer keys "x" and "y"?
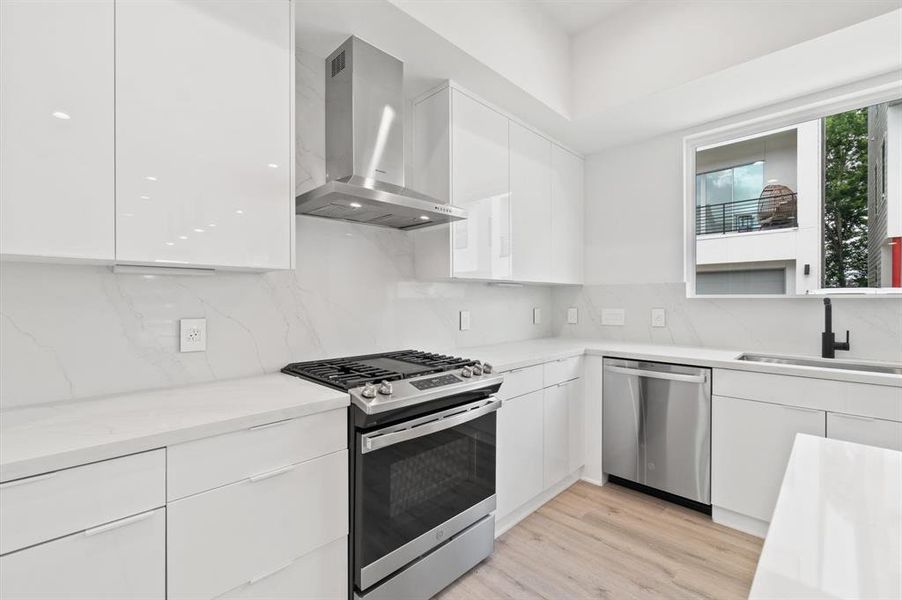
{"x": 390, "y": 380}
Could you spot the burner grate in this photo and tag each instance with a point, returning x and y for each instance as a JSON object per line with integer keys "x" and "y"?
{"x": 354, "y": 371}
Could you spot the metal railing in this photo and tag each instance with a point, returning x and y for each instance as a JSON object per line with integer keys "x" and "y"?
{"x": 754, "y": 214}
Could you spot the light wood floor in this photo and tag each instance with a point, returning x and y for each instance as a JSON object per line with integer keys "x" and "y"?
{"x": 612, "y": 542}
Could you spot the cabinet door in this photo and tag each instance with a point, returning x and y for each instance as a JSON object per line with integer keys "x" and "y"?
{"x": 531, "y": 217}
{"x": 567, "y": 216}
{"x": 519, "y": 451}
{"x": 481, "y": 244}
{"x": 203, "y": 133}
{"x": 122, "y": 559}
{"x": 56, "y": 115}
{"x": 556, "y": 455}
{"x": 750, "y": 446}
{"x": 576, "y": 401}
{"x": 864, "y": 430}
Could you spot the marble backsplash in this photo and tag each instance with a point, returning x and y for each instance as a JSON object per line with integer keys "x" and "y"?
{"x": 787, "y": 326}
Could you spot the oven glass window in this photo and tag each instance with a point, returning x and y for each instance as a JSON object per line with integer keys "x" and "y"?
{"x": 407, "y": 489}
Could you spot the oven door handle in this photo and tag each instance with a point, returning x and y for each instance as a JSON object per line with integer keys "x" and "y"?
{"x": 379, "y": 439}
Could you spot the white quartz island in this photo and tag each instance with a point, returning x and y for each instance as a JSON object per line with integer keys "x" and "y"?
{"x": 837, "y": 528}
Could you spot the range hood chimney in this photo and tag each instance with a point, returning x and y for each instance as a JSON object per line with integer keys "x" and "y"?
{"x": 365, "y": 146}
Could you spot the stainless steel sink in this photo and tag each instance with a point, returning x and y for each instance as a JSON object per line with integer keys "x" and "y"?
{"x": 823, "y": 363}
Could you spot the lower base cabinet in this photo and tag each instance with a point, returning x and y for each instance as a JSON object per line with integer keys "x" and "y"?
{"x": 750, "y": 447}
{"x": 320, "y": 575}
{"x": 122, "y": 559}
{"x": 556, "y": 435}
{"x": 865, "y": 430}
{"x": 239, "y": 535}
{"x": 519, "y": 476}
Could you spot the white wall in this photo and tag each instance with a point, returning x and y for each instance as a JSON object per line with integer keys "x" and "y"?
{"x": 76, "y": 331}
{"x": 515, "y": 39}
{"x": 653, "y": 46}
{"x": 634, "y": 261}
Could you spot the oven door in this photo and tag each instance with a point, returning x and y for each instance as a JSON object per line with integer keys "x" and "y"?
{"x": 420, "y": 482}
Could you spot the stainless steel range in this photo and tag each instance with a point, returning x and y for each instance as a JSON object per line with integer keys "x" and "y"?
{"x": 422, "y": 445}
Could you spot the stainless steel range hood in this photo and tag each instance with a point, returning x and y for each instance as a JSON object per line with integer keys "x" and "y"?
{"x": 365, "y": 146}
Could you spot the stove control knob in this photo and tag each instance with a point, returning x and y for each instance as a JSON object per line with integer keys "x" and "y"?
{"x": 368, "y": 391}
{"x": 477, "y": 369}
{"x": 385, "y": 388}
{"x": 466, "y": 372}
{"x": 487, "y": 368}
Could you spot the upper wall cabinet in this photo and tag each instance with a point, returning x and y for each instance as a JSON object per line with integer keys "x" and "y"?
{"x": 203, "y": 133}
{"x": 56, "y": 118}
{"x": 170, "y": 146}
{"x": 523, "y": 194}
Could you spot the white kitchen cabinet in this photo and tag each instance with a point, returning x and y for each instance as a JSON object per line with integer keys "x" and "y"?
{"x": 122, "y": 559}
{"x": 750, "y": 446}
{"x": 556, "y": 432}
{"x": 241, "y": 533}
{"x": 865, "y": 430}
{"x": 57, "y": 121}
{"x": 512, "y": 181}
{"x": 576, "y": 401}
{"x": 204, "y": 133}
{"x": 520, "y": 458}
{"x": 567, "y": 216}
{"x": 480, "y": 184}
{"x": 531, "y": 210}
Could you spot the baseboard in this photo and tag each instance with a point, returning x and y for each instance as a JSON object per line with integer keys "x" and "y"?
{"x": 743, "y": 523}
{"x": 597, "y": 482}
{"x": 531, "y": 506}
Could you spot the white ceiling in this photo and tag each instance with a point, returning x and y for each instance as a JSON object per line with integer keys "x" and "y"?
{"x": 574, "y": 16}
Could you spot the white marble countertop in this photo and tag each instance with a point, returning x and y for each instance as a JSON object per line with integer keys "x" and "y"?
{"x": 56, "y": 436}
{"x": 837, "y": 526}
{"x": 514, "y": 355}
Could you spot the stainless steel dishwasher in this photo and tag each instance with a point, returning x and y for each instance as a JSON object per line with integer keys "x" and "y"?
{"x": 657, "y": 428}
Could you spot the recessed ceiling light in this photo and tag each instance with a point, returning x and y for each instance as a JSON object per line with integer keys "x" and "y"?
{"x": 355, "y": 205}
{"x": 170, "y": 243}
{"x": 211, "y": 224}
{"x": 183, "y": 237}
{"x": 273, "y": 166}
{"x": 144, "y": 197}
{"x": 61, "y": 115}
{"x": 198, "y": 230}
{"x": 150, "y": 178}
{"x": 424, "y": 218}
{"x": 239, "y": 212}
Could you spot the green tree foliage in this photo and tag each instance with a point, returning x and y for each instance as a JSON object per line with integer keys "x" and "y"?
{"x": 846, "y": 199}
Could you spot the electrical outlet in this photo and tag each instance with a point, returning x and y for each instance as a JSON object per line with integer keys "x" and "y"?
{"x": 572, "y": 315}
{"x": 192, "y": 335}
{"x": 613, "y": 316}
{"x": 464, "y": 320}
{"x": 536, "y": 316}
{"x": 658, "y": 318}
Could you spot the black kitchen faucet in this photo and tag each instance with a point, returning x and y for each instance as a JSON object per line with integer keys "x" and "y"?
{"x": 829, "y": 345}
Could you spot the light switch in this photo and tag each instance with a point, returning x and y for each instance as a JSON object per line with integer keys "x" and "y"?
{"x": 464, "y": 320}
{"x": 192, "y": 335}
{"x": 658, "y": 318}
{"x": 536, "y": 316}
{"x": 572, "y": 315}
{"x": 613, "y": 316}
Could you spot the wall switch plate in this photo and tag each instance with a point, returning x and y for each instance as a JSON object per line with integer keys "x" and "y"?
{"x": 536, "y": 316}
{"x": 658, "y": 318}
{"x": 192, "y": 335}
{"x": 572, "y": 315}
{"x": 464, "y": 320}
{"x": 613, "y": 316}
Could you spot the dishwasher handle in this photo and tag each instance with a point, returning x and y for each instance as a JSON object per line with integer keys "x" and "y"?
{"x": 658, "y": 374}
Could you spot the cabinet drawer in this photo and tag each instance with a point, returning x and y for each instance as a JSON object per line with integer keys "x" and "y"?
{"x": 563, "y": 369}
{"x": 45, "y": 507}
{"x": 212, "y": 462}
{"x": 124, "y": 559}
{"x": 227, "y": 537}
{"x": 864, "y": 430}
{"x": 521, "y": 381}
{"x": 320, "y": 575}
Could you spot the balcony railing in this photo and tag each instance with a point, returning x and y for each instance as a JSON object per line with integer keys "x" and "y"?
{"x": 754, "y": 214}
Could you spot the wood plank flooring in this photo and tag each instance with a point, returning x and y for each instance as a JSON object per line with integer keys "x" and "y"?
{"x": 612, "y": 542}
